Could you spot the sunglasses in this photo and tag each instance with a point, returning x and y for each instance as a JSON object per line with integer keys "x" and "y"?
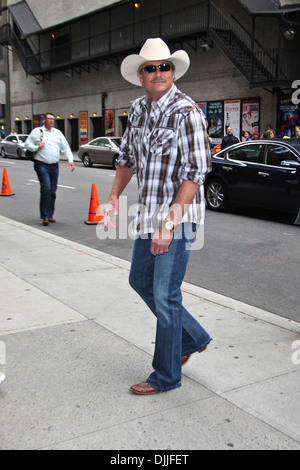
{"x": 160, "y": 67}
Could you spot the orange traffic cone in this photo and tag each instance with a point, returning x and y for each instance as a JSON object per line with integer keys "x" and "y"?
{"x": 95, "y": 215}
{"x": 6, "y": 191}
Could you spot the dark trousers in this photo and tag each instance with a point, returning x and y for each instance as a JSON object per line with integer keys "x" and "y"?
{"x": 48, "y": 177}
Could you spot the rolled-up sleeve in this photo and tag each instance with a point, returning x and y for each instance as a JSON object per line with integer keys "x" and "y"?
{"x": 194, "y": 147}
{"x": 126, "y": 157}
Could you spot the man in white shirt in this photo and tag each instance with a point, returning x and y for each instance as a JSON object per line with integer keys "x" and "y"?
{"x": 47, "y": 143}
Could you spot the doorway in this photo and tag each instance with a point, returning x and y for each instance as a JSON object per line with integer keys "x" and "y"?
{"x": 124, "y": 120}
{"x": 28, "y": 126}
{"x": 73, "y": 126}
{"x": 60, "y": 125}
{"x": 18, "y": 127}
{"x": 96, "y": 127}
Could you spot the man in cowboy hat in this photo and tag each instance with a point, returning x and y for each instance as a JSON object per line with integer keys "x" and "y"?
{"x": 166, "y": 145}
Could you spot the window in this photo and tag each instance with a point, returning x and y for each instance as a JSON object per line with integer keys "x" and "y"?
{"x": 246, "y": 153}
{"x": 95, "y": 142}
{"x": 61, "y": 49}
{"x": 116, "y": 142}
{"x": 276, "y": 154}
{"x": 103, "y": 142}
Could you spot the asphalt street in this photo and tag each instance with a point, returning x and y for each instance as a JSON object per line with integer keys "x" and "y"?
{"x": 74, "y": 337}
{"x": 249, "y": 254}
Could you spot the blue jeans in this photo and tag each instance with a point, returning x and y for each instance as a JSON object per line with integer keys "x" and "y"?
{"x": 158, "y": 279}
{"x": 48, "y": 177}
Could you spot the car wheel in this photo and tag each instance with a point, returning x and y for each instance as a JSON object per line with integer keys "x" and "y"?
{"x": 86, "y": 160}
{"x": 114, "y": 163}
{"x": 216, "y": 195}
{"x": 3, "y": 154}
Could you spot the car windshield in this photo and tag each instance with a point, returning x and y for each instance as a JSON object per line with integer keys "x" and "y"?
{"x": 297, "y": 147}
{"x": 22, "y": 138}
{"x": 295, "y": 143}
{"x": 116, "y": 141}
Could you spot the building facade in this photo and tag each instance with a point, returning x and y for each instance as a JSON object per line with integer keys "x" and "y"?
{"x": 64, "y": 58}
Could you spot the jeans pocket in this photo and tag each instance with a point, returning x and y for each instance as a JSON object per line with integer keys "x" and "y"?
{"x": 190, "y": 234}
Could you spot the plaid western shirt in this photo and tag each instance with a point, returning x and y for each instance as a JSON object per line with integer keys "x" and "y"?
{"x": 163, "y": 148}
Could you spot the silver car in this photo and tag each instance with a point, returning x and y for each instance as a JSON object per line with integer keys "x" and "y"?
{"x": 13, "y": 145}
{"x": 102, "y": 150}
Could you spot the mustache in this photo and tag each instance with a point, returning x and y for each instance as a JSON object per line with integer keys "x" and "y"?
{"x": 158, "y": 80}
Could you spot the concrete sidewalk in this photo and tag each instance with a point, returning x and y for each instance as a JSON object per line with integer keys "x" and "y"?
{"x": 74, "y": 337}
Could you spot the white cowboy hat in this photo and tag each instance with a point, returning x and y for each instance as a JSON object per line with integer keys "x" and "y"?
{"x": 154, "y": 49}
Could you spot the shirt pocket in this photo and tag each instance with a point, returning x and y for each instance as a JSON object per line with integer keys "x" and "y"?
{"x": 161, "y": 143}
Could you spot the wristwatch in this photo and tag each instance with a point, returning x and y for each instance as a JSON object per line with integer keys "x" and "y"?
{"x": 169, "y": 225}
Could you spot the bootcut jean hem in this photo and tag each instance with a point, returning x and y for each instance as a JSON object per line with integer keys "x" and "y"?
{"x": 188, "y": 353}
{"x": 168, "y": 389}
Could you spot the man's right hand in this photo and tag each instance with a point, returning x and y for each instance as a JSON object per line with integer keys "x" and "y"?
{"x": 111, "y": 211}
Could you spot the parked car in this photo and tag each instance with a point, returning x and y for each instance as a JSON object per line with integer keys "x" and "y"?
{"x": 14, "y": 145}
{"x": 102, "y": 150}
{"x": 261, "y": 173}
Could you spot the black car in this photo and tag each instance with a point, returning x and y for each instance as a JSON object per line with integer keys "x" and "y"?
{"x": 262, "y": 173}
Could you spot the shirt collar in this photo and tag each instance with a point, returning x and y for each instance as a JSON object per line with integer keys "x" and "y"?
{"x": 45, "y": 128}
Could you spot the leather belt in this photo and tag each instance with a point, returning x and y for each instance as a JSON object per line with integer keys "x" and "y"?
{"x": 48, "y": 164}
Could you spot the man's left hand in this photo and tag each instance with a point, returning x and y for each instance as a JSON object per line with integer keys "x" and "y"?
{"x": 72, "y": 166}
{"x": 161, "y": 241}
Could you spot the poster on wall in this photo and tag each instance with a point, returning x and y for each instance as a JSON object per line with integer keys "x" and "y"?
{"x": 288, "y": 117}
{"x": 250, "y": 117}
{"x": 232, "y": 113}
{"x": 109, "y": 122}
{"x": 202, "y": 105}
{"x": 38, "y": 120}
{"x": 215, "y": 119}
{"x": 83, "y": 122}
